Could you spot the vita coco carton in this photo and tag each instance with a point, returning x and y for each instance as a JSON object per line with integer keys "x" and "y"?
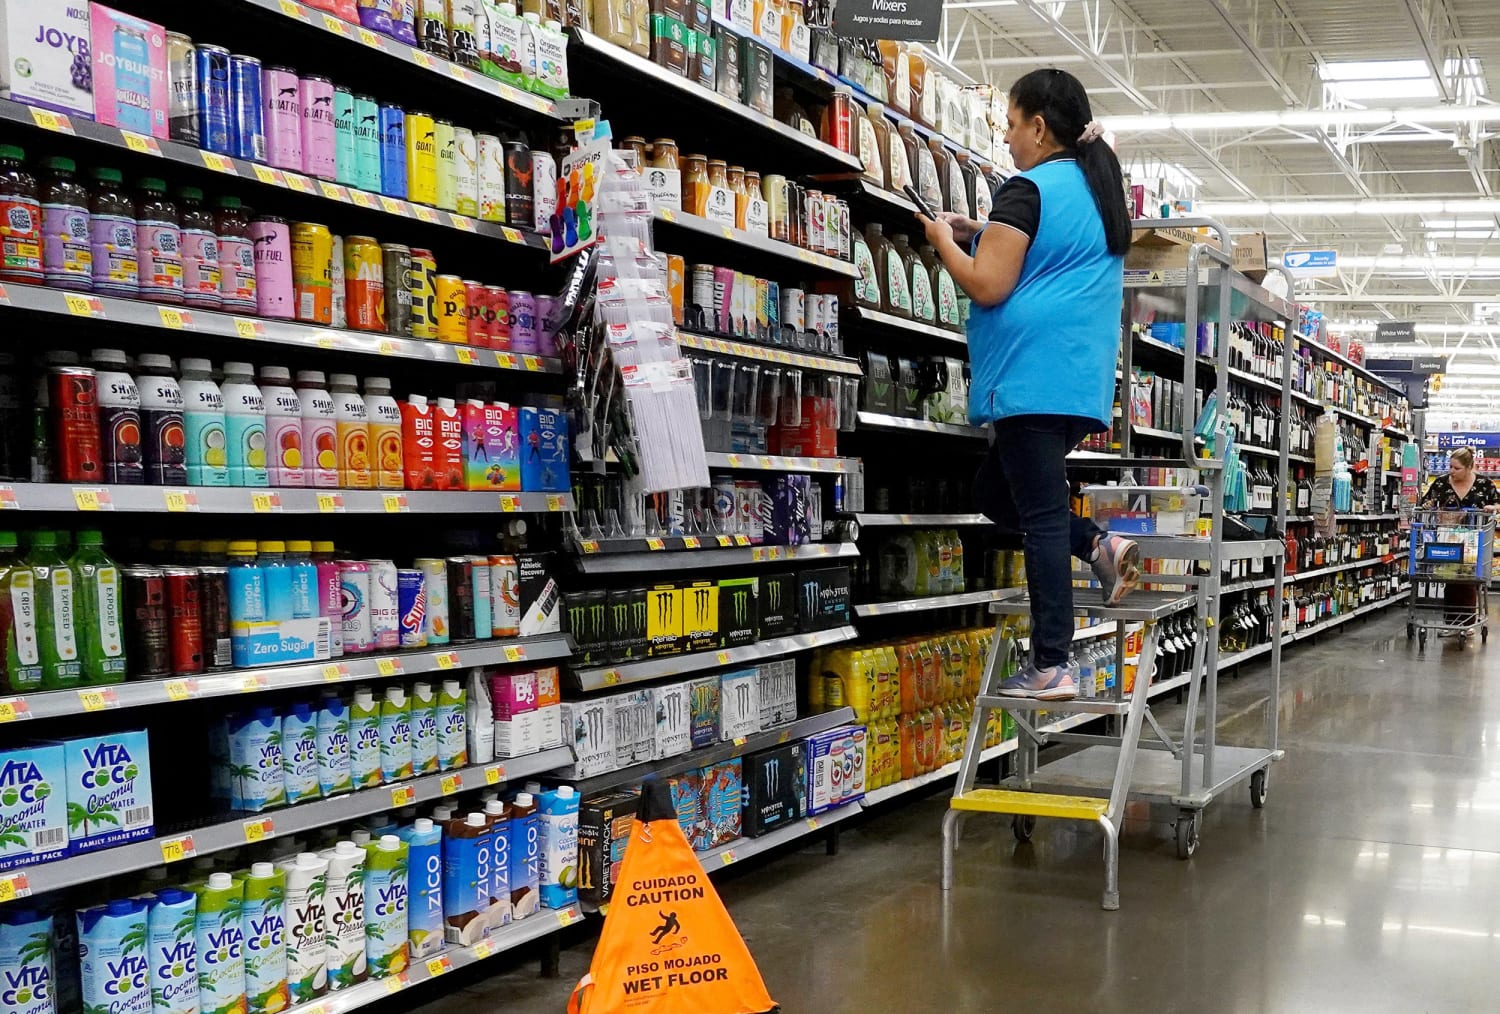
{"x": 109, "y": 790}
{"x": 33, "y": 804}
{"x": 45, "y": 55}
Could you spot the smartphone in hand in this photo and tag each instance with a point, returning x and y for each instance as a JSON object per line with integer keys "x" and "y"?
{"x": 916, "y": 199}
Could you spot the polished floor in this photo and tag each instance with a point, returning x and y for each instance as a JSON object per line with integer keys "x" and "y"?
{"x": 1370, "y": 883}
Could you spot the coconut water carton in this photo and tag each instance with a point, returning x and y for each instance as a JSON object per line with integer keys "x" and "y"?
{"x": 172, "y": 951}
{"x": 220, "y": 937}
{"x": 33, "y": 805}
{"x": 27, "y": 973}
{"x": 109, "y": 790}
{"x": 112, "y": 957}
{"x": 387, "y": 948}
{"x": 255, "y": 760}
{"x": 265, "y": 939}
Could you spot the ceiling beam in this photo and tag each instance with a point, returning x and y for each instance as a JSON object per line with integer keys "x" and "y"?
{"x": 1430, "y": 50}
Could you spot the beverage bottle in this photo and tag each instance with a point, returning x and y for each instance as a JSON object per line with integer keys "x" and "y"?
{"x": 57, "y": 634}
{"x": 418, "y": 443}
{"x": 305, "y": 597}
{"x": 202, "y": 282}
{"x": 271, "y": 560}
{"x": 101, "y": 637}
{"x": 247, "y": 598}
{"x": 119, "y": 419}
{"x": 245, "y": 426}
{"x": 67, "y": 259}
{"x": 158, "y": 243}
{"x": 319, "y": 429}
{"x": 283, "y": 427}
{"x": 352, "y": 425}
{"x": 448, "y": 449}
{"x": 330, "y": 598}
{"x": 203, "y": 420}
{"x": 237, "y": 280}
{"x": 23, "y": 663}
{"x": 162, "y": 422}
{"x": 21, "y": 211}
{"x": 112, "y": 236}
{"x": 385, "y": 433}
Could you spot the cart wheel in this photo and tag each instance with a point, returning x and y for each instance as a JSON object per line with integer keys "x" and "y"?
{"x": 1187, "y": 833}
{"x": 1258, "y": 789}
{"x": 1422, "y": 639}
{"x": 1484, "y": 635}
{"x": 1411, "y": 631}
{"x": 1023, "y": 827}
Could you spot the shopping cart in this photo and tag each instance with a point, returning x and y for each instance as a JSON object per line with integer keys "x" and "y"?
{"x": 1449, "y": 548}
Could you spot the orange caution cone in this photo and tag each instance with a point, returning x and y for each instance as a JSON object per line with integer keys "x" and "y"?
{"x": 668, "y": 945}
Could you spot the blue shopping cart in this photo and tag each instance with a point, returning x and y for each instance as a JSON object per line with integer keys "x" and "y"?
{"x": 1449, "y": 562}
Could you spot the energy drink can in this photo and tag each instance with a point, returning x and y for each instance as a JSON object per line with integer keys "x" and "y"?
{"x": 421, "y": 158}
{"x": 385, "y": 615}
{"x": 336, "y": 283}
{"x": 447, "y": 167}
{"x": 423, "y": 303}
{"x": 737, "y": 304}
{"x": 466, "y": 172}
{"x": 497, "y": 317}
{"x": 476, "y": 307}
{"x": 393, "y": 151}
{"x": 726, "y": 512}
{"x": 460, "y": 570}
{"x": 247, "y": 115}
{"x": 794, "y": 309}
{"x": 813, "y": 313}
{"x": 760, "y": 329}
{"x": 215, "y": 129}
{"x": 452, "y": 309}
{"x": 271, "y": 240}
{"x": 773, "y": 188}
{"x": 479, "y": 574}
{"x": 701, "y": 293}
{"x": 834, "y": 343}
{"x": 519, "y": 206}
{"x": 505, "y": 596}
{"x": 283, "y": 122}
{"x": 724, "y": 299}
{"x": 146, "y": 633}
{"x": 312, "y": 272}
{"x": 491, "y": 178}
{"x": 544, "y": 196}
{"x": 73, "y": 394}
{"x": 773, "y": 311}
{"x": 182, "y": 89}
{"x": 411, "y": 605}
{"x": 354, "y": 598}
{"x": 432, "y": 28}
{"x": 396, "y": 261}
{"x": 213, "y": 608}
{"x": 435, "y": 573}
{"x": 343, "y": 137}
{"x": 184, "y": 619}
{"x": 364, "y": 282}
{"x": 319, "y": 136}
{"x": 366, "y": 144}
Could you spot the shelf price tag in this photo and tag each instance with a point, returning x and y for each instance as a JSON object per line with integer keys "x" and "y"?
{"x": 456, "y": 72}
{"x": 724, "y": 541}
{"x": 265, "y": 503}
{"x": 174, "y": 850}
{"x": 555, "y": 502}
{"x": 84, "y": 306}
{"x": 253, "y": 683}
{"x": 533, "y": 364}
{"x": 510, "y": 504}
{"x": 403, "y": 795}
{"x": 392, "y": 206}
{"x": 611, "y": 677}
{"x": 727, "y": 856}
{"x": 181, "y": 690}
{"x": 248, "y": 328}
{"x": 515, "y": 653}
{"x": 426, "y": 214}
{"x": 267, "y": 175}
{"x": 98, "y": 700}
{"x": 258, "y": 829}
{"x": 299, "y": 183}
{"x": 812, "y": 823}
{"x": 362, "y": 199}
{"x": 588, "y": 546}
{"x": 690, "y": 542}
{"x": 388, "y": 666}
{"x": 177, "y": 320}
{"x": 335, "y": 671}
{"x": 330, "y": 503}
{"x": 494, "y": 774}
{"x": 14, "y": 709}
{"x": 291, "y": 10}
{"x": 723, "y": 658}
{"x": 333, "y": 191}
{"x": 666, "y": 214}
{"x": 181, "y": 501}
{"x": 424, "y": 60}
{"x": 567, "y": 916}
{"x": 437, "y": 966}
{"x": 48, "y": 120}
{"x": 335, "y": 25}
{"x": 219, "y": 163}
{"x": 742, "y": 540}
{"x": 92, "y": 498}
{"x": 141, "y": 143}
{"x": 465, "y": 356}
{"x": 451, "y": 784}
{"x": 482, "y": 950}
{"x": 740, "y": 741}
{"x": 395, "y": 503}
{"x": 447, "y": 660}
{"x": 369, "y": 38}
{"x": 758, "y": 555}
{"x": 395, "y": 983}
{"x": 511, "y": 235}
{"x": 388, "y": 347}
{"x": 13, "y": 886}
{"x": 462, "y": 222}
{"x": 655, "y": 545}
{"x": 505, "y": 360}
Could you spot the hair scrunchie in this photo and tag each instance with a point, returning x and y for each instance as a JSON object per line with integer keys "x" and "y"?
{"x": 1091, "y": 133}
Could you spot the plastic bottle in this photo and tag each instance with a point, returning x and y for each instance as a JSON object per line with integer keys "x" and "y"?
{"x": 158, "y": 243}
{"x": 245, "y": 426}
{"x": 112, "y": 236}
{"x": 23, "y": 662}
{"x": 418, "y": 443}
{"x": 319, "y": 429}
{"x": 286, "y": 461}
{"x": 448, "y": 450}
{"x": 203, "y": 420}
{"x": 346, "y": 916}
{"x": 21, "y": 211}
{"x": 330, "y": 598}
{"x": 364, "y": 739}
{"x": 202, "y": 282}
{"x": 304, "y": 573}
{"x": 67, "y": 255}
{"x": 119, "y": 419}
{"x": 353, "y": 432}
{"x": 237, "y": 279}
{"x": 923, "y": 301}
{"x": 165, "y": 436}
{"x": 277, "y": 575}
{"x": 306, "y": 926}
{"x": 56, "y": 624}
{"x": 385, "y": 433}
{"x": 98, "y": 601}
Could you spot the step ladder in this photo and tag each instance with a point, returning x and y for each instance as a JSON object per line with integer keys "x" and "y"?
{"x": 1023, "y": 805}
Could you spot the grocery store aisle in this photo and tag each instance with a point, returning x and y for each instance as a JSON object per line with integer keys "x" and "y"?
{"x": 1367, "y": 884}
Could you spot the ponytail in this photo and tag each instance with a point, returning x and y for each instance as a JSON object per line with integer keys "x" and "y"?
{"x": 1060, "y": 100}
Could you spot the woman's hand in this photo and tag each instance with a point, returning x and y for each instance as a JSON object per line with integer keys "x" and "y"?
{"x": 964, "y": 229}
{"x": 938, "y": 231}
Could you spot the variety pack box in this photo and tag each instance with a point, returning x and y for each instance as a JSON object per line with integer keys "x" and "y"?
{"x": 603, "y": 832}
{"x": 129, "y": 70}
{"x": 549, "y": 706}
{"x": 778, "y": 605}
{"x": 34, "y": 794}
{"x": 109, "y": 789}
{"x": 626, "y": 614}
{"x": 880, "y": 385}
{"x": 491, "y": 447}
{"x": 739, "y": 611}
{"x": 635, "y": 728}
{"x": 589, "y": 729}
{"x": 776, "y": 692}
{"x": 687, "y": 799}
{"x": 541, "y": 599}
{"x": 46, "y": 56}
{"x": 823, "y": 597}
{"x": 787, "y": 523}
{"x": 835, "y": 768}
{"x": 664, "y": 620}
{"x": 674, "y": 720}
{"x": 775, "y": 783}
{"x": 703, "y": 710}
{"x": 700, "y": 607}
{"x": 739, "y": 707}
{"x": 544, "y": 450}
{"x": 723, "y": 803}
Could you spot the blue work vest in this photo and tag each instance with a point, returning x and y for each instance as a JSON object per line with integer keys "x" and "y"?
{"x": 1050, "y": 347}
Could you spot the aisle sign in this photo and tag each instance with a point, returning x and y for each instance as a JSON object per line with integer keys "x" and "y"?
{"x": 904, "y": 20}
{"x": 1395, "y": 331}
{"x": 1311, "y": 263}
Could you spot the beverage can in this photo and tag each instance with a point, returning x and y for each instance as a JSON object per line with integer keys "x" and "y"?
{"x": 366, "y": 144}
{"x": 773, "y": 311}
{"x": 146, "y": 635}
{"x": 393, "y": 151}
{"x": 319, "y": 134}
{"x": 411, "y": 604}
{"x": 182, "y": 90}
{"x": 213, "y": 608}
{"x": 701, "y": 293}
{"x": 344, "y": 158}
{"x": 283, "y": 120}
{"x": 73, "y": 397}
{"x": 834, "y": 343}
{"x": 761, "y": 328}
{"x": 247, "y": 116}
{"x": 452, "y": 308}
{"x": 736, "y": 322}
{"x": 476, "y": 306}
{"x": 774, "y": 189}
{"x": 491, "y": 178}
{"x": 505, "y": 597}
{"x": 523, "y": 330}
{"x": 726, "y": 513}
{"x": 396, "y": 268}
{"x": 337, "y": 285}
{"x": 364, "y": 283}
{"x": 312, "y": 272}
{"x": 519, "y": 204}
{"x": 275, "y": 294}
{"x": 216, "y": 131}
{"x": 497, "y": 317}
{"x": 420, "y": 283}
{"x": 812, "y": 313}
{"x": 385, "y": 623}
{"x": 483, "y": 605}
{"x": 184, "y": 620}
{"x": 460, "y": 570}
{"x": 447, "y": 165}
{"x": 543, "y": 191}
{"x": 421, "y": 158}
{"x": 466, "y": 172}
{"x": 354, "y": 599}
{"x": 434, "y": 571}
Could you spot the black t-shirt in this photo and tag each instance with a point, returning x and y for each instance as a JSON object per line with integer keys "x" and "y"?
{"x": 1018, "y": 202}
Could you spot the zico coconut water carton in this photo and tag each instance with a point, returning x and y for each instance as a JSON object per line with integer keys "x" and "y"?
{"x": 26, "y": 969}
{"x": 424, "y": 843}
{"x": 172, "y": 951}
{"x": 386, "y": 945}
{"x": 112, "y": 943}
{"x": 109, "y": 790}
{"x": 220, "y": 937}
{"x": 33, "y": 805}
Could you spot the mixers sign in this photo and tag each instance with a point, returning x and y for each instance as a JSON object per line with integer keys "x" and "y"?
{"x": 904, "y": 20}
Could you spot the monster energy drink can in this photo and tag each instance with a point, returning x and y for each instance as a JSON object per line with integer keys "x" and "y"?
{"x": 435, "y": 571}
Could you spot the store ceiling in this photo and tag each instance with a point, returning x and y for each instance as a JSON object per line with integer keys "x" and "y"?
{"x": 1229, "y": 58}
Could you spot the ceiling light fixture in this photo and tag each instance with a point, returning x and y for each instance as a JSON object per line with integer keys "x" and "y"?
{"x": 1300, "y": 118}
{"x": 1334, "y": 208}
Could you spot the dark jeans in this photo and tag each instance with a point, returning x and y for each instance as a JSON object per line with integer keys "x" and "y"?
{"x": 1023, "y": 486}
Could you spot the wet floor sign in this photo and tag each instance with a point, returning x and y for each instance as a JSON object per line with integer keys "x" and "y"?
{"x": 668, "y": 945}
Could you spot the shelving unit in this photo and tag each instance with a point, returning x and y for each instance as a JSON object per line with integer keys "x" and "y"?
{"x": 670, "y": 553}
{"x": 66, "y": 498}
{"x": 626, "y": 673}
{"x": 878, "y": 421}
{"x": 931, "y": 602}
{"x": 768, "y": 354}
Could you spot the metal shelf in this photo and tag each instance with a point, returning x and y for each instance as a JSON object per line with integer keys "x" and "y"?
{"x": 719, "y": 752}
{"x": 873, "y": 199}
{"x": 769, "y": 354}
{"x": 1101, "y": 456}
{"x": 931, "y": 602}
{"x": 266, "y": 679}
{"x": 159, "y": 317}
{"x": 1363, "y": 420}
{"x": 1164, "y": 291}
{"x": 56, "y": 496}
{"x": 878, "y": 421}
{"x": 669, "y": 554}
{"x": 740, "y": 240}
{"x": 287, "y": 820}
{"x": 626, "y": 673}
{"x": 781, "y": 463}
{"x": 282, "y": 179}
{"x": 1392, "y": 516}
{"x": 1079, "y": 633}
{"x": 1318, "y": 348}
{"x": 880, "y": 321}
{"x": 919, "y": 520}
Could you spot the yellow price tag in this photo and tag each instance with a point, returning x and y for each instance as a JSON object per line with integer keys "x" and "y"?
{"x": 774, "y": 553}
{"x": 395, "y": 503}
{"x": 567, "y": 916}
{"x": 451, "y": 784}
{"x": 727, "y": 231}
{"x": 388, "y": 347}
{"x": 812, "y": 823}
{"x": 463, "y": 222}
{"x": 141, "y": 143}
{"x": 724, "y": 541}
{"x": 83, "y": 306}
{"x": 723, "y": 658}
{"x": 369, "y": 38}
{"x": 482, "y": 950}
{"x": 177, "y": 320}
{"x": 690, "y": 542}
{"x": 291, "y": 10}
{"x": 388, "y": 666}
{"x": 425, "y": 214}
{"x": 91, "y": 498}
{"x": 515, "y": 653}
{"x": 555, "y": 502}
{"x": 180, "y": 501}
{"x": 330, "y": 503}
{"x": 505, "y": 360}
{"x": 423, "y": 60}
{"x": 666, "y": 214}
{"x": 510, "y": 504}
{"x": 740, "y": 740}
{"x": 455, "y": 71}
{"x": 13, "y": 710}
{"x": 333, "y": 191}
{"x": 758, "y": 555}
{"x": 589, "y": 546}
{"x": 437, "y": 966}
{"x": 13, "y": 886}
{"x": 299, "y": 183}
{"x": 447, "y": 660}
{"x": 335, "y": 671}
{"x": 246, "y": 328}
{"x": 655, "y": 545}
{"x": 511, "y": 235}
{"x": 97, "y": 700}
{"x": 258, "y": 829}
{"x": 48, "y": 120}
{"x": 219, "y": 163}
{"x": 494, "y": 774}
{"x": 727, "y": 856}
{"x": 533, "y": 364}
{"x": 465, "y": 356}
{"x": 611, "y": 677}
{"x": 742, "y": 540}
{"x": 174, "y": 850}
{"x": 181, "y": 690}
{"x": 403, "y": 795}
{"x": 393, "y": 206}
{"x": 734, "y": 461}
{"x": 267, "y": 175}
{"x": 363, "y": 200}
{"x": 265, "y": 503}
{"x": 334, "y": 25}
{"x": 253, "y": 683}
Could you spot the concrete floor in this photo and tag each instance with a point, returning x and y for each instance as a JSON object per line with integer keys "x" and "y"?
{"x": 1369, "y": 883}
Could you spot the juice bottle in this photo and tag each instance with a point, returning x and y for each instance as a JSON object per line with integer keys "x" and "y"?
{"x": 113, "y": 976}
{"x": 385, "y": 433}
{"x": 201, "y": 280}
{"x": 67, "y": 259}
{"x": 21, "y": 210}
{"x": 236, "y": 256}
{"x": 448, "y": 450}
{"x": 101, "y": 637}
{"x": 162, "y": 422}
{"x": 353, "y": 431}
{"x": 330, "y": 598}
{"x": 286, "y": 462}
{"x": 119, "y": 419}
{"x": 57, "y": 634}
{"x": 271, "y": 560}
{"x": 452, "y": 723}
{"x": 112, "y": 235}
{"x": 247, "y": 598}
{"x": 23, "y": 661}
{"x": 158, "y": 234}
{"x": 245, "y": 426}
{"x": 203, "y": 420}
{"x": 418, "y": 443}
{"x": 466, "y": 879}
{"x": 319, "y": 429}
{"x": 525, "y": 856}
{"x": 923, "y": 306}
